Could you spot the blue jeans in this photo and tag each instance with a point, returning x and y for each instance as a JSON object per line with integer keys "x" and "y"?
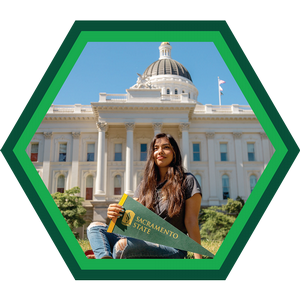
{"x": 106, "y": 244}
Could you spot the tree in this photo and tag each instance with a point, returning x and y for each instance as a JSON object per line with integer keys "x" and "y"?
{"x": 216, "y": 221}
{"x": 71, "y": 208}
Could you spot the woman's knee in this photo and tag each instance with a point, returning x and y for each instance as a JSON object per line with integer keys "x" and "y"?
{"x": 120, "y": 247}
{"x": 93, "y": 224}
{"x": 128, "y": 248}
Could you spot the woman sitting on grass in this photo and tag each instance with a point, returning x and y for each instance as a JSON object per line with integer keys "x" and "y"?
{"x": 166, "y": 190}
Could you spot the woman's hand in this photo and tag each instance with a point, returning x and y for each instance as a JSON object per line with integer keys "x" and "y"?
{"x": 114, "y": 211}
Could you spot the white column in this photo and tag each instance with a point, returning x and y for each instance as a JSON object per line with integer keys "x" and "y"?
{"x": 212, "y": 169}
{"x": 239, "y": 163}
{"x": 157, "y": 128}
{"x": 184, "y": 128}
{"x": 46, "y": 159}
{"x": 266, "y": 149}
{"x": 129, "y": 159}
{"x": 100, "y": 188}
{"x": 75, "y": 158}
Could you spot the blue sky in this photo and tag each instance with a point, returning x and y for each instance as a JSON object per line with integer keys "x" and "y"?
{"x": 113, "y": 67}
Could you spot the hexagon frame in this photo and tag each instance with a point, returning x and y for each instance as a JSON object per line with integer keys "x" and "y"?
{"x": 150, "y": 36}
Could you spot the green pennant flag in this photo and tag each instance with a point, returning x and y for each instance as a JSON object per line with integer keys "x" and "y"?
{"x": 141, "y": 223}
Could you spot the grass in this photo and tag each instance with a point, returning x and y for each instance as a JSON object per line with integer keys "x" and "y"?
{"x": 85, "y": 245}
{"x": 212, "y": 246}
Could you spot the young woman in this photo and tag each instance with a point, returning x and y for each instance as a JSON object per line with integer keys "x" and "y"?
{"x": 166, "y": 190}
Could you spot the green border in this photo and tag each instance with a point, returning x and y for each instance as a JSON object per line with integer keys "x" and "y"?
{"x": 150, "y": 36}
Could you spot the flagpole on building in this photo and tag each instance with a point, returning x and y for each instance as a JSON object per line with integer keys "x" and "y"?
{"x": 219, "y": 91}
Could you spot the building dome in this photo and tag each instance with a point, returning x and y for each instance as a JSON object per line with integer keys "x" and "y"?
{"x": 169, "y": 76}
{"x": 167, "y": 67}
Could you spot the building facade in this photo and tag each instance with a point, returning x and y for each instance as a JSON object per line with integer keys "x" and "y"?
{"x": 102, "y": 147}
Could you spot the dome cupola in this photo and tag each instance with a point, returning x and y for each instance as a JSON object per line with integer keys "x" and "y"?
{"x": 165, "y": 50}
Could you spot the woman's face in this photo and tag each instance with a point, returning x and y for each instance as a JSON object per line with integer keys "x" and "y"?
{"x": 162, "y": 152}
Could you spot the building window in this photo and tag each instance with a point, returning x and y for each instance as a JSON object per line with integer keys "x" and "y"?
{"x": 90, "y": 152}
{"x": 143, "y": 152}
{"x": 34, "y": 152}
{"x": 89, "y": 188}
{"x": 176, "y": 92}
{"x": 118, "y": 152}
{"x": 199, "y": 179}
{"x": 253, "y": 181}
{"x": 183, "y": 91}
{"x": 63, "y": 152}
{"x": 117, "y": 185}
{"x": 196, "y": 152}
{"x": 223, "y": 151}
{"x": 168, "y": 91}
{"x": 251, "y": 155}
{"x": 61, "y": 184}
{"x": 225, "y": 184}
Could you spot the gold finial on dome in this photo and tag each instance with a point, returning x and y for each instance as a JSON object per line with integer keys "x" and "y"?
{"x": 165, "y": 43}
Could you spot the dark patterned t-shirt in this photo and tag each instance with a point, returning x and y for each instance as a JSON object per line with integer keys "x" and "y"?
{"x": 192, "y": 187}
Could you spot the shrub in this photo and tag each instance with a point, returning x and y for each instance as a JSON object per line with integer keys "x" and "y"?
{"x": 216, "y": 225}
{"x": 238, "y": 198}
{"x": 232, "y": 206}
{"x": 71, "y": 208}
{"x": 216, "y": 221}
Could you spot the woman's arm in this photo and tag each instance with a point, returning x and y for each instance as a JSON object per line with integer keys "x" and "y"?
{"x": 192, "y": 208}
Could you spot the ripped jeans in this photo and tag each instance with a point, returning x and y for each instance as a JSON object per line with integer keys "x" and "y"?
{"x": 105, "y": 244}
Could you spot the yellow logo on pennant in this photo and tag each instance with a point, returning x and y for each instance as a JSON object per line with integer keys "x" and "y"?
{"x": 128, "y": 217}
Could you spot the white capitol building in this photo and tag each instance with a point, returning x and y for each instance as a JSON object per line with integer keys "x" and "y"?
{"x": 102, "y": 147}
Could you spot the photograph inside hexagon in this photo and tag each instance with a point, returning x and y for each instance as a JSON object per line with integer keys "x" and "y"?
{"x": 119, "y": 95}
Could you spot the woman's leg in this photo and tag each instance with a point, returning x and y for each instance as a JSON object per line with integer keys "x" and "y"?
{"x": 127, "y": 248}
{"x": 101, "y": 241}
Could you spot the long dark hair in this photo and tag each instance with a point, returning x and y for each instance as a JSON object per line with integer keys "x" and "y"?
{"x": 173, "y": 189}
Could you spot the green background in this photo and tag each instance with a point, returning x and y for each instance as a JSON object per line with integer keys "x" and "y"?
{"x": 32, "y": 53}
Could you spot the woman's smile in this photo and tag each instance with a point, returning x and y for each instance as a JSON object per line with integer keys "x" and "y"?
{"x": 160, "y": 157}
